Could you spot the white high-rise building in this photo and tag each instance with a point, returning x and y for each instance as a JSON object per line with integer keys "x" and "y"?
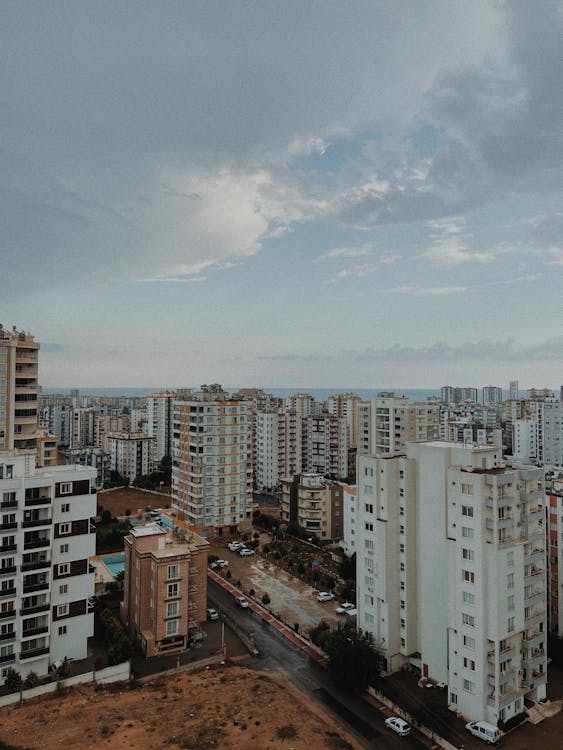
{"x": 46, "y": 583}
{"x": 513, "y": 390}
{"x": 268, "y": 453}
{"x": 395, "y": 422}
{"x": 346, "y": 405}
{"x": 364, "y": 437}
{"x": 160, "y": 413}
{"x": 492, "y": 395}
{"x": 325, "y": 446}
{"x": 82, "y": 427}
{"x": 212, "y": 462}
{"x": 451, "y": 572}
{"x": 131, "y": 453}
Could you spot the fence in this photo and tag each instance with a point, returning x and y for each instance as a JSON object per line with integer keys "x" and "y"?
{"x": 116, "y": 673}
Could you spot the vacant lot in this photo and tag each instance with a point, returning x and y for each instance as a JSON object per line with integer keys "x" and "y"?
{"x": 118, "y": 502}
{"x": 228, "y": 708}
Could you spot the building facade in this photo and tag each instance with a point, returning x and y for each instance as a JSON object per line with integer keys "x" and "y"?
{"x": 212, "y": 473}
{"x": 315, "y": 503}
{"x": 164, "y": 588}
{"x": 479, "y": 626}
{"x": 46, "y": 583}
{"x": 130, "y": 453}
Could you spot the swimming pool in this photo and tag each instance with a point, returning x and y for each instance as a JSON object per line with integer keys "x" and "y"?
{"x": 114, "y": 563}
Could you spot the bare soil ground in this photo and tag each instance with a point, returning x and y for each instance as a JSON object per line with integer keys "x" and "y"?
{"x": 228, "y": 708}
{"x": 132, "y": 499}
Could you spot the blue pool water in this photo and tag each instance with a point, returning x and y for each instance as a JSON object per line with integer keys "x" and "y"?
{"x": 114, "y": 563}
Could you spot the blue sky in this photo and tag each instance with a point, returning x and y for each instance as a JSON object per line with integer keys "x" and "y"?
{"x": 284, "y": 194}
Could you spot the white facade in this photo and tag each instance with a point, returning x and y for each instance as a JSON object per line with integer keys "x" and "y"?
{"x": 395, "y": 422}
{"x": 492, "y": 395}
{"x": 212, "y": 463}
{"x": 325, "y": 446}
{"x": 346, "y": 405}
{"x": 46, "y": 538}
{"x": 160, "y": 408}
{"x": 81, "y": 428}
{"x": 267, "y": 462}
{"x": 350, "y": 515}
{"x": 131, "y": 453}
{"x": 451, "y": 565}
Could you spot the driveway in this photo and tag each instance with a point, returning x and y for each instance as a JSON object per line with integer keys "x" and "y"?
{"x": 293, "y": 600}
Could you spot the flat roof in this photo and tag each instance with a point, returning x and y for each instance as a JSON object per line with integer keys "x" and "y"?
{"x": 148, "y": 530}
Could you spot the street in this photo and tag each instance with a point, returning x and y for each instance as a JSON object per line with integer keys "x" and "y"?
{"x": 277, "y": 654}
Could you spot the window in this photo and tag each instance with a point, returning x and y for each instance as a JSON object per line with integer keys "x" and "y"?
{"x": 468, "y": 598}
{"x": 469, "y": 664}
{"x": 467, "y": 532}
{"x": 510, "y": 602}
{"x": 468, "y": 575}
{"x": 63, "y": 588}
{"x": 468, "y": 686}
{"x": 369, "y": 507}
{"x": 65, "y": 508}
{"x": 510, "y": 559}
{"x": 467, "y": 554}
{"x": 63, "y": 569}
{"x": 510, "y": 624}
{"x": 62, "y": 630}
{"x": 368, "y": 543}
{"x": 510, "y": 581}
{"x": 172, "y": 590}
{"x": 466, "y": 489}
{"x": 369, "y": 526}
{"x": 467, "y": 510}
{"x": 468, "y": 641}
{"x": 66, "y": 488}
{"x": 172, "y": 627}
{"x": 468, "y": 620}
{"x": 173, "y": 571}
{"x": 62, "y": 610}
{"x": 65, "y": 528}
{"x": 172, "y": 609}
{"x": 64, "y": 549}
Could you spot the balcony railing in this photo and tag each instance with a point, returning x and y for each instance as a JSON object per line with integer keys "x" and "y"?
{"x": 35, "y": 631}
{"x": 34, "y": 653}
{"x": 8, "y": 614}
{"x": 35, "y": 610}
{"x": 29, "y": 588}
{"x": 30, "y": 501}
{"x": 36, "y": 543}
{"x": 8, "y": 504}
{"x": 8, "y": 569}
{"x": 8, "y": 592}
{"x": 7, "y": 658}
{"x": 37, "y": 522}
{"x": 35, "y": 565}
{"x": 7, "y": 526}
{"x": 8, "y": 548}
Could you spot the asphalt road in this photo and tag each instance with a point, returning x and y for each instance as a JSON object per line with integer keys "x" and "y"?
{"x": 277, "y": 654}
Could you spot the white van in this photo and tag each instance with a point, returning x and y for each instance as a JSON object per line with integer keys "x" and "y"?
{"x": 485, "y": 731}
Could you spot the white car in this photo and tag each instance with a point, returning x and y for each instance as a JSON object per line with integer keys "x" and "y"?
{"x": 325, "y": 596}
{"x": 212, "y": 613}
{"x": 235, "y": 546}
{"x": 398, "y": 725}
{"x": 245, "y": 552}
{"x": 346, "y": 607}
{"x": 218, "y": 564}
{"x": 240, "y": 601}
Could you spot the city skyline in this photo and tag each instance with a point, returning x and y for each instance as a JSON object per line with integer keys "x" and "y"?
{"x": 280, "y": 197}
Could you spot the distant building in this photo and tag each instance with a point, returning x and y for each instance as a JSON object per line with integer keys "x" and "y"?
{"x": 130, "y": 453}
{"x": 492, "y": 395}
{"x": 513, "y": 392}
{"x": 450, "y": 395}
{"x": 212, "y": 462}
{"x": 315, "y": 503}
{"x": 554, "y": 492}
{"x": 165, "y": 588}
{"x": 395, "y": 422}
{"x": 325, "y": 446}
{"x": 160, "y": 416}
{"x": 346, "y": 405}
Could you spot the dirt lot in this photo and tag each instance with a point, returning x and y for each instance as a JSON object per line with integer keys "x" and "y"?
{"x": 227, "y": 707}
{"x": 130, "y": 498}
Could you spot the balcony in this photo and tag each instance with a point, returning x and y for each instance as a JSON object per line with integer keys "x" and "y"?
{"x": 532, "y": 637}
{"x": 7, "y": 592}
{"x": 534, "y": 618}
{"x": 37, "y": 543}
{"x": 5, "y": 548}
{"x": 36, "y": 523}
{"x": 8, "y": 614}
{"x": 11, "y": 636}
{"x": 8, "y": 569}
{"x": 7, "y": 658}
{"x": 30, "y": 588}
{"x": 533, "y": 574}
{"x": 534, "y": 597}
{"x": 32, "y": 501}
{"x": 35, "y": 631}
{"x": 35, "y": 610}
{"x": 9, "y": 525}
{"x": 8, "y": 504}
{"x": 34, "y": 653}
{"x": 35, "y": 565}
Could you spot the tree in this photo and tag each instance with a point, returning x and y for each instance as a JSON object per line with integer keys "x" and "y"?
{"x": 354, "y": 659}
{"x": 347, "y": 568}
{"x": 265, "y": 599}
{"x": 12, "y": 679}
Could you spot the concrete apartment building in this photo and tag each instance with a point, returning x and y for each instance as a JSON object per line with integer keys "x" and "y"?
{"x": 539, "y": 437}
{"x": 325, "y": 446}
{"x": 350, "y": 515}
{"x": 160, "y": 418}
{"x": 492, "y": 395}
{"x": 554, "y": 492}
{"x": 363, "y": 436}
{"x": 131, "y": 453}
{"x": 82, "y": 427}
{"x": 212, "y": 473}
{"x": 395, "y": 422}
{"x": 456, "y": 395}
{"x": 480, "y": 625}
{"x": 46, "y": 537}
{"x": 164, "y": 589}
{"x": 315, "y": 503}
{"x": 346, "y": 405}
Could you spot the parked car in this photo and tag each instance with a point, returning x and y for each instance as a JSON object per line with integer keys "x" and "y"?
{"x": 212, "y": 613}
{"x": 245, "y": 552}
{"x": 240, "y": 601}
{"x": 485, "y": 731}
{"x": 325, "y": 596}
{"x": 398, "y": 725}
{"x": 346, "y": 607}
{"x": 218, "y": 564}
{"x": 235, "y": 546}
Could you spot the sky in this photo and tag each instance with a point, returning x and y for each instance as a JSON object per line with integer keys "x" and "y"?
{"x": 284, "y": 194}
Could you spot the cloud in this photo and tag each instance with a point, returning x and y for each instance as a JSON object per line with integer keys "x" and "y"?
{"x": 353, "y": 272}
{"x": 355, "y": 251}
{"x": 449, "y": 246}
{"x": 430, "y": 291}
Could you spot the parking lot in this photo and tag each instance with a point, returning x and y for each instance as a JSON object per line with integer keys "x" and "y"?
{"x": 293, "y": 600}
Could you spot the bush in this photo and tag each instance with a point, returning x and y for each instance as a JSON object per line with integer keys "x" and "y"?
{"x": 287, "y": 732}
{"x": 31, "y": 680}
{"x": 265, "y": 599}
{"x": 320, "y": 633}
{"x": 12, "y": 679}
